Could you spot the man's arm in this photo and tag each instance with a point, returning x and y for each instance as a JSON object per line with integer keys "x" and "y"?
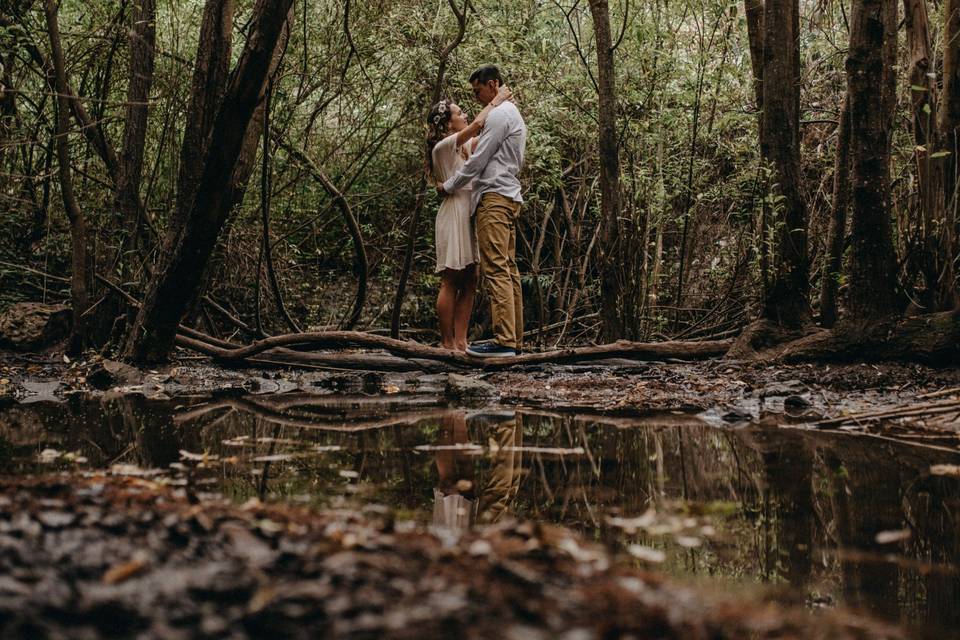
{"x": 493, "y": 134}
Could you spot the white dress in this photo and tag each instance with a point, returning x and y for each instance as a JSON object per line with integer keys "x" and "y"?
{"x": 456, "y": 240}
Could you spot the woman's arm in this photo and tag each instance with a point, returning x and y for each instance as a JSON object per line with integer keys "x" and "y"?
{"x": 474, "y": 127}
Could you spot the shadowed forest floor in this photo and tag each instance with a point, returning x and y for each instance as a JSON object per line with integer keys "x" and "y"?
{"x": 709, "y": 500}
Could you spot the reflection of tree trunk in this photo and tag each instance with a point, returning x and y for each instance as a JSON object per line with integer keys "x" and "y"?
{"x": 867, "y": 501}
{"x": 933, "y": 505}
{"x": 789, "y": 473}
{"x": 159, "y": 440}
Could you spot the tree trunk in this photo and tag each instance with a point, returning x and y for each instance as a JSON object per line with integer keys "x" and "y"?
{"x": 754, "y": 12}
{"x": 948, "y": 121}
{"x": 949, "y": 115}
{"x": 837, "y": 234}
{"x": 130, "y": 169}
{"x": 246, "y": 161}
{"x": 210, "y": 74}
{"x": 612, "y": 325}
{"x": 786, "y": 301}
{"x": 79, "y": 284}
{"x": 937, "y": 266}
{"x": 873, "y": 270}
{"x": 189, "y": 245}
{"x": 248, "y": 151}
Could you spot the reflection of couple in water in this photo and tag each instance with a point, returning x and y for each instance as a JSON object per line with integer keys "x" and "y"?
{"x": 458, "y": 501}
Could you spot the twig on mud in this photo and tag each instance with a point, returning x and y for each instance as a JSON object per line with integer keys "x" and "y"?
{"x": 926, "y": 409}
{"x": 939, "y": 394}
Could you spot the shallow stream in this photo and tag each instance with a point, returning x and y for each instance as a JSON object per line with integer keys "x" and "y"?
{"x": 834, "y": 518}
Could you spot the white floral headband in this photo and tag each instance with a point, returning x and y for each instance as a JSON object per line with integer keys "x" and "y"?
{"x": 441, "y": 112}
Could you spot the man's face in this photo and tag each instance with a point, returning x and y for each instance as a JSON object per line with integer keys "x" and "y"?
{"x": 485, "y": 91}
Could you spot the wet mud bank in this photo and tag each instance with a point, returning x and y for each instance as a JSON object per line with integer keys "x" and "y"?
{"x": 118, "y": 557}
{"x": 719, "y": 499}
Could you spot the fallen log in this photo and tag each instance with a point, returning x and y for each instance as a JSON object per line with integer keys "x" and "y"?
{"x": 416, "y": 351}
{"x": 407, "y": 355}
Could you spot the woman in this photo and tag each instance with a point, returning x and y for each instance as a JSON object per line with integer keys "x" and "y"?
{"x": 449, "y": 143}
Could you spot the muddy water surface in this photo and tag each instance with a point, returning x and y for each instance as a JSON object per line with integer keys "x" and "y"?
{"x": 834, "y": 518}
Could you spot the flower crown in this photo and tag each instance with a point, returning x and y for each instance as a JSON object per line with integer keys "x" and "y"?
{"x": 441, "y": 112}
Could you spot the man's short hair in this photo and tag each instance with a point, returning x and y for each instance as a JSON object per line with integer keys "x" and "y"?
{"x": 485, "y": 74}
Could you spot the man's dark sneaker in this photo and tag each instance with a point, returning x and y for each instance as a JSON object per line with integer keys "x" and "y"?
{"x": 490, "y": 350}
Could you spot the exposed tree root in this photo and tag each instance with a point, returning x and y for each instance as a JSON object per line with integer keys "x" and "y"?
{"x": 279, "y": 348}
{"x": 932, "y": 339}
{"x": 765, "y": 338}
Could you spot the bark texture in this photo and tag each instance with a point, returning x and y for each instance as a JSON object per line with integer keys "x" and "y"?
{"x": 79, "y": 277}
{"x": 189, "y": 245}
{"x": 754, "y": 13}
{"x": 210, "y": 73}
{"x": 837, "y": 233}
{"x": 948, "y": 120}
{"x": 786, "y": 300}
{"x": 872, "y": 269}
{"x": 612, "y": 326}
{"x": 130, "y": 169}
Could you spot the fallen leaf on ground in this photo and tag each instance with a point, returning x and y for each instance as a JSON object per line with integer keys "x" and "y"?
{"x": 945, "y": 470}
{"x": 124, "y": 571}
{"x": 647, "y": 554}
{"x": 889, "y": 537}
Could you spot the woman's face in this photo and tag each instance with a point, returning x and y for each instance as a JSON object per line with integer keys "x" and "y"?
{"x": 458, "y": 119}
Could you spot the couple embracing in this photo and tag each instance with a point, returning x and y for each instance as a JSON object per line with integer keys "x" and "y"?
{"x": 476, "y": 167}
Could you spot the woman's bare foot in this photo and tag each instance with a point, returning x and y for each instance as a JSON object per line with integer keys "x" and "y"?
{"x": 449, "y": 346}
{"x": 461, "y": 347}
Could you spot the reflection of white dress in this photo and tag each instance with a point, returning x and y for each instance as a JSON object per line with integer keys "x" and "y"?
{"x": 456, "y": 240}
{"x": 453, "y": 511}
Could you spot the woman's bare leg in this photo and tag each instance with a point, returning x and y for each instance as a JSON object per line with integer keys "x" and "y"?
{"x": 446, "y": 303}
{"x": 464, "y": 307}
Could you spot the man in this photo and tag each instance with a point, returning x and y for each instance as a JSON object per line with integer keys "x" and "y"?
{"x": 495, "y": 165}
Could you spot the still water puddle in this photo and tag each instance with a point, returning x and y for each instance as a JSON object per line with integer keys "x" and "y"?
{"x": 837, "y": 518}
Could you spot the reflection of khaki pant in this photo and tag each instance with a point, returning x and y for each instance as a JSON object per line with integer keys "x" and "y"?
{"x": 504, "y": 484}
{"x": 497, "y": 236}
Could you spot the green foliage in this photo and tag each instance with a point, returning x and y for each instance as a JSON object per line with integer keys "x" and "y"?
{"x": 355, "y": 105}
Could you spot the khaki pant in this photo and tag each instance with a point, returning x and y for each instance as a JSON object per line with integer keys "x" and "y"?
{"x": 497, "y": 237}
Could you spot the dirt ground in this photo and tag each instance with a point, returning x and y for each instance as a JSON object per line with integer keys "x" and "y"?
{"x": 88, "y": 555}
{"x": 127, "y": 557}
{"x": 617, "y": 387}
